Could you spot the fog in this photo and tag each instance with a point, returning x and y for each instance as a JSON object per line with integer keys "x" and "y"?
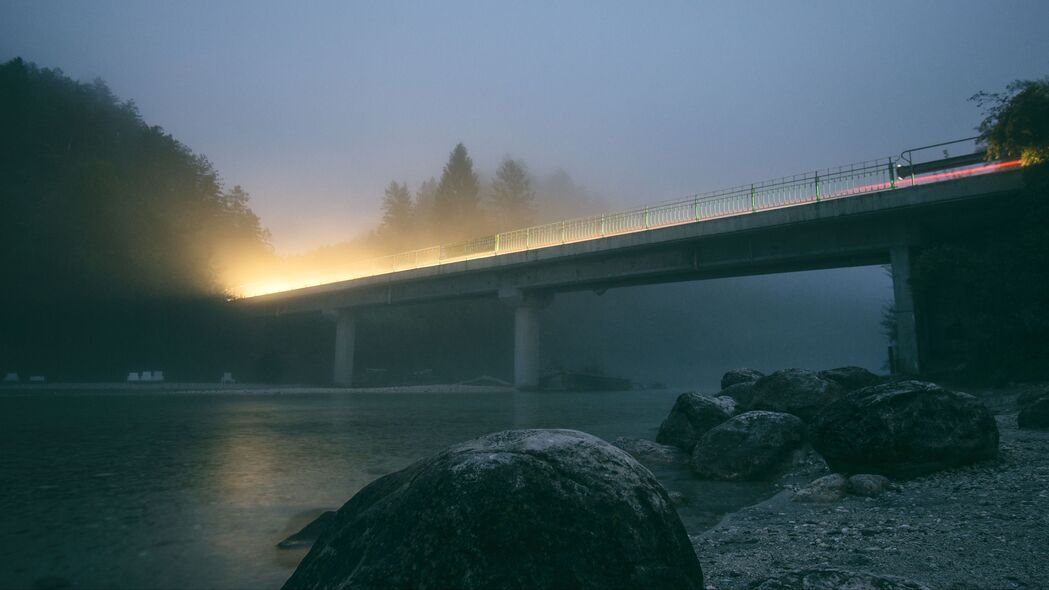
{"x": 688, "y": 334}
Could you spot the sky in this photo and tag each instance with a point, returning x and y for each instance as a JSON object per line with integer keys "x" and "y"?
{"x": 314, "y": 107}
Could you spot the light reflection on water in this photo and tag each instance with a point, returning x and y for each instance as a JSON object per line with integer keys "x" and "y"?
{"x": 163, "y": 490}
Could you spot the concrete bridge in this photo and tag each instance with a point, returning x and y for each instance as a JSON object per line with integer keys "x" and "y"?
{"x": 852, "y": 216}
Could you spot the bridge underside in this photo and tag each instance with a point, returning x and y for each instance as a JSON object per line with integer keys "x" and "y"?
{"x": 880, "y": 228}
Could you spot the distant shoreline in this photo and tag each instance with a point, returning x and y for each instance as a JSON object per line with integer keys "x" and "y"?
{"x": 242, "y": 388}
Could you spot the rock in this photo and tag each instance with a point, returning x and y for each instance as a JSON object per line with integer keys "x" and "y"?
{"x": 728, "y": 404}
{"x": 1030, "y": 396}
{"x": 904, "y": 429}
{"x": 647, "y": 451}
{"x": 742, "y": 393}
{"x": 1035, "y": 414}
{"x": 735, "y": 376}
{"x": 836, "y": 579}
{"x": 514, "y": 509}
{"x": 753, "y": 445}
{"x": 805, "y": 465}
{"x": 850, "y": 378}
{"x": 829, "y": 488}
{"x": 794, "y": 391}
{"x": 309, "y": 533}
{"x": 868, "y": 484}
{"x": 692, "y": 415}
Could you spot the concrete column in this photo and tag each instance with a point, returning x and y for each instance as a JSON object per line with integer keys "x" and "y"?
{"x": 526, "y": 345}
{"x": 906, "y": 326}
{"x": 526, "y": 335}
{"x": 345, "y": 333}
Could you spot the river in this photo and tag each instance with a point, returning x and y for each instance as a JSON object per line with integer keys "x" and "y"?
{"x": 159, "y": 489}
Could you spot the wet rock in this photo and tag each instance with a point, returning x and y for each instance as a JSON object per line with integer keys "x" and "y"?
{"x": 736, "y": 376}
{"x": 1035, "y": 414}
{"x": 868, "y": 484}
{"x": 904, "y": 429}
{"x": 692, "y": 415}
{"x": 836, "y": 579}
{"x": 829, "y": 488}
{"x": 309, "y": 533}
{"x": 850, "y": 378}
{"x": 753, "y": 445}
{"x": 528, "y": 508}
{"x": 742, "y": 393}
{"x": 647, "y": 451}
{"x": 794, "y": 391}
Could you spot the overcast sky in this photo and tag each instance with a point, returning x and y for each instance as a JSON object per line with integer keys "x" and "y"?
{"x": 314, "y": 107}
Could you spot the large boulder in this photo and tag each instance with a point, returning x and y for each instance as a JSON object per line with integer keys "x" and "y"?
{"x": 836, "y": 579}
{"x": 692, "y": 415}
{"x": 753, "y": 445}
{"x": 514, "y": 509}
{"x": 850, "y": 378}
{"x": 735, "y": 376}
{"x": 794, "y": 391}
{"x": 1034, "y": 414}
{"x": 904, "y": 429}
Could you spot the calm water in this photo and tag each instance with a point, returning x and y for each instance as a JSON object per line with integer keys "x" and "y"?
{"x": 165, "y": 490}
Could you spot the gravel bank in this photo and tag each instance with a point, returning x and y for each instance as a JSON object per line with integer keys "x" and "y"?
{"x": 981, "y": 526}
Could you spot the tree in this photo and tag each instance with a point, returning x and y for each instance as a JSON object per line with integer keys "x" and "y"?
{"x": 397, "y": 217}
{"x": 1016, "y": 122}
{"x": 456, "y": 203}
{"x": 513, "y": 200}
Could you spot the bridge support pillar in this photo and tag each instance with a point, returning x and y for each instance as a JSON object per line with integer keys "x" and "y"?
{"x": 906, "y": 325}
{"x": 345, "y": 335}
{"x": 526, "y": 336}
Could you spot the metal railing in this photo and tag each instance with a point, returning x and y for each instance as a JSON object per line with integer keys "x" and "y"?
{"x": 811, "y": 187}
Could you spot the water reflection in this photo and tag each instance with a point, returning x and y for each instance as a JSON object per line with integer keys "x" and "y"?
{"x": 177, "y": 490}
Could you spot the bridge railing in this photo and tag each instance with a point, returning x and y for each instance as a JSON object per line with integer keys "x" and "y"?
{"x": 820, "y": 185}
{"x": 832, "y": 183}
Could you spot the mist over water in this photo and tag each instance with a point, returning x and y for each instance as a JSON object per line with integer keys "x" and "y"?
{"x": 687, "y": 334}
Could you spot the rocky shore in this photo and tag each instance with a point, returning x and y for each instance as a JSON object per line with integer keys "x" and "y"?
{"x": 878, "y": 483}
{"x": 981, "y": 526}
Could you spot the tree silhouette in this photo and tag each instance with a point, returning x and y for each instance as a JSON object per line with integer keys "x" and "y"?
{"x": 512, "y": 200}
{"x": 397, "y": 218}
{"x": 1016, "y": 124}
{"x": 456, "y": 211}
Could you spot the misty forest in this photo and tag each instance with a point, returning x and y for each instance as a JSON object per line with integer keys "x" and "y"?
{"x": 516, "y": 297}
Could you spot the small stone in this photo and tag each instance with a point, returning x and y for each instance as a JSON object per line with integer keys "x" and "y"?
{"x": 829, "y": 488}
{"x": 868, "y": 484}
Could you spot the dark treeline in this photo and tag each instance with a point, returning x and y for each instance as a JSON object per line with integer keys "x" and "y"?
{"x": 986, "y": 291}
{"x": 114, "y": 237}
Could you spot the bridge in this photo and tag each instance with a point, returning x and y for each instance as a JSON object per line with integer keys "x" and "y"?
{"x": 869, "y": 213}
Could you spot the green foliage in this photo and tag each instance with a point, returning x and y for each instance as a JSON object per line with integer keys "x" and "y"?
{"x": 513, "y": 200}
{"x": 1016, "y": 123}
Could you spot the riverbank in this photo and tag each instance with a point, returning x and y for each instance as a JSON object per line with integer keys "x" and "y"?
{"x": 246, "y": 388}
{"x": 981, "y": 526}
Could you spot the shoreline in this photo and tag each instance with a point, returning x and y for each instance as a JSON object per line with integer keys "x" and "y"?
{"x": 119, "y": 388}
{"x": 984, "y": 525}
